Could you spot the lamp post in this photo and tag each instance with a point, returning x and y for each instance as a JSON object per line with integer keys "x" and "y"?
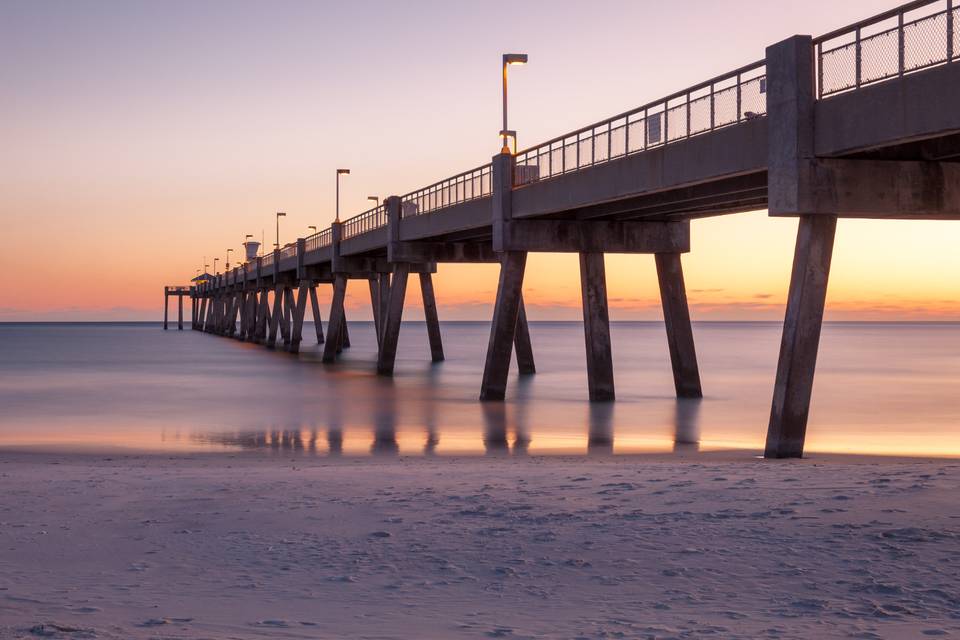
{"x": 375, "y": 200}
{"x": 228, "y": 260}
{"x": 505, "y": 133}
{"x": 215, "y": 272}
{"x": 280, "y": 214}
{"x": 340, "y": 172}
{"x": 312, "y": 228}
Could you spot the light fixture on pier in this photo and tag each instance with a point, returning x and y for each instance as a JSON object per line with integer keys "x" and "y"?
{"x": 313, "y": 228}
{"x": 228, "y": 260}
{"x": 340, "y": 172}
{"x": 375, "y": 200}
{"x": 215, "y": 272}
{"x": 505, "y": 133}
{"x": 280, "y": 214}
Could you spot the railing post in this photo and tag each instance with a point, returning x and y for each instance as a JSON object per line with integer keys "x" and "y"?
{"x": 713, "y": 124}
{"x": 394, "y": 209}
{"x": 336, "y": 233}
{"x": 739, "y": 97}
{"x": 301, "y": 250}
{"x": 688, "y": 115}
{"x": 900, "y": 46}
{"x": 950, "y": 30}
{"x": 819, "y": 70}
{"x": 859, "y": 62}
{"x": 502, "y": 202}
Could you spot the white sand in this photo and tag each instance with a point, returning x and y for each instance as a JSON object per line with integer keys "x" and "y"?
{"x": 633, "y": 547}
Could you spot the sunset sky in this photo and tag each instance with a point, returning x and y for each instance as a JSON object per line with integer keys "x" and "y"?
{"x": 140, "y": 137}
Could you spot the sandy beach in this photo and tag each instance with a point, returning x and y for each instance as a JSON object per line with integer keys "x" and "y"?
{"x": 258, "y": 546}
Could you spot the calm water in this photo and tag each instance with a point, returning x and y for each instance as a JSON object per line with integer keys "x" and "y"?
{"x": 880, "y": 388}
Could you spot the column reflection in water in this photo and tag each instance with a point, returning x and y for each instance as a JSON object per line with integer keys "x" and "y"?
{"x": 687, "y": 424}
{"x": 385, "y": 419}
{"x": 600, "y": 429}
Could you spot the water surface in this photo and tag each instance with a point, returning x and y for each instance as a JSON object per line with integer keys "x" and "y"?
{"x": 880, "y": 388}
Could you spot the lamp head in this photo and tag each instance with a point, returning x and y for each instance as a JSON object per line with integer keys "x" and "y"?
{"x": 342, "y": 171}
{"x": 514, "y": 58}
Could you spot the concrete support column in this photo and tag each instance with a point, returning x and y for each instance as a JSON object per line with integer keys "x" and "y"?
{"x": 180, "y": 313}
{"x": 801, "y": 337}
{"x": 276, "y": 316}
{"x": 522, "y": 344}
{"x": 431, "y": 317}
{"x": 596, "y": 327}
{"x": 676, "y": 317}
{"x": 384, "y": 290}
{"x": 344, "y": 333}
{"x": 315, "y": 306}
{"x": 287, "y": 327}
{"x": 391, "y": 331}
{"x": 298, "y": 313}
{"x": 336, "y": 322}
{"x": 166, "y": 304}
{"x": 375, "y": 305}
{"x": 504, "y": 325}
{"x": 263, "y": 316}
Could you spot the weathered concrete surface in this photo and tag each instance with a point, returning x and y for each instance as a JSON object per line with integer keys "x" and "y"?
{"x": 505, "y": 313}
{"x": 598, "y": 236}
{"x": 336, "y": 322}
{"x": 391, "y": 332}
{"x": 676, "y": 317}
{"x": 522, "y": 344}
{"x": 431, "y": 317}
{"x": 596, "y": 327}
{"x": 801, "y": 337}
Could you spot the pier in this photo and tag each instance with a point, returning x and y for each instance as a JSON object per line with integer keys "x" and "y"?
{"x": 862, "y": 122}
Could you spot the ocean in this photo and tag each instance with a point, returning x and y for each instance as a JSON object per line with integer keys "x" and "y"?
{"x": 881, "y": 388}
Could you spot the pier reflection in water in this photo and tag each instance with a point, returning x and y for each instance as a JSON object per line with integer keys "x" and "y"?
{"x": 136, "y": 386}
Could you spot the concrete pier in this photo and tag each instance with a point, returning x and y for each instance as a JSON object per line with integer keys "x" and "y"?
{"x": 802, "y": 132}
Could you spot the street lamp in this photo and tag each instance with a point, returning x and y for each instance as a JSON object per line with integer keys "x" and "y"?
{"x": 505, "y": 133}
{"x": 228, "y": 260}
{"x": 340, "y": 172}
{"x": 312, "y": 228}
{"x": 280, "y": 214}
{"x": 375, "y": 200}
{"x": 215, "y": 272}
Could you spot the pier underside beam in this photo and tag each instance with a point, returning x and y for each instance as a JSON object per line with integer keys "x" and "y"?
{"x": 431, "y": 317}
{"x": 801, "y": 337}
{"x": 503, "y": 328}
{"x": 391, "y": 332}
{"x": 336, "y": 321}
{"x": 676, "y": 317}
{"x": 596, "y": 326}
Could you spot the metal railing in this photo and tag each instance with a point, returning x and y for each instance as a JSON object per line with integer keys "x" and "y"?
{"x": 288, "y": 251}
{"x": 888, "y": 45}
{"x": 463, "y": 187}
{"x": 375, "y": 218}
{"x": 722, "y": 101}
{"x": 177, "y": 289}
{"x": 267, "y": 260}
{"x": 320, "y": 239}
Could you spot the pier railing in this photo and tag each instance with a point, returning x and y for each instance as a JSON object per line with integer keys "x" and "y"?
{"x": 370, "y": 220}
{"x": 463, "y": 187}
{"x": 288, "y": 251}
{"x": 904, "y": 40}
{"x": 267, "y": 260}
{"x": 319, "y": 240}
{"x": 719, "y": 102}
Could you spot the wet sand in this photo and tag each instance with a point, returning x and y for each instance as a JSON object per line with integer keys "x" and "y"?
{"x": 255, "y": 546}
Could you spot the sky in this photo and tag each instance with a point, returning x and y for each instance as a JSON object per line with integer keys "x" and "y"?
{"x": 138, "y": 139}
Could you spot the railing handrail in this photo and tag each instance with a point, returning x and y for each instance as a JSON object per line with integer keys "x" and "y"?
{"x": 673, "y": 96}
{"x": 453, "y": 177}
{"x": 880, "y": 17}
